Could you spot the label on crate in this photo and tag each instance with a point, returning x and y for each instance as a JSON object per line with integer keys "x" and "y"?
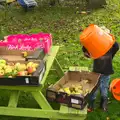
{"x": 19, "y": 47}
{"x": 27, "y": 80}
{"x": 28, "y": 41}
{"x": 74, "y": 101}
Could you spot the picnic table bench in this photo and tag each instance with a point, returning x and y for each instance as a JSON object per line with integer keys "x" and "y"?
{"x": 45, "y": 110}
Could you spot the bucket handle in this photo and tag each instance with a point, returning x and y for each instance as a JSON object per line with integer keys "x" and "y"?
{"x": 113, "y": 37}
{"x": 91, "y": 24}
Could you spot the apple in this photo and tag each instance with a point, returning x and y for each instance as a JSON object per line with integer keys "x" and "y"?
{"x": 22, "y": 73}
{"x": 21, "y": 67}
{"x": 8, "y": 70}
{"x": 2, "y": 73}
{"x": 24, "y": 66}
{"x": 2, "y": 65}
{"x": 1, "y": 68}
{"x": 35, "y": 65}
{"x": 2, "y": 61}
{"x": 30, "y": 64}
{"x": 15, "y": 72}
{"x": 17, "y": 65}
{"x": 8, "y": 67}
{"x": 31, "y": 70}
{"x": 12, "y": 67}
{"x": 24, "y": 54}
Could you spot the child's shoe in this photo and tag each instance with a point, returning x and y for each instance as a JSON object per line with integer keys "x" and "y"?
{"x": 91, "y": 106}
{"x": 103, "y": 103}
{"x": 89, "y": 110}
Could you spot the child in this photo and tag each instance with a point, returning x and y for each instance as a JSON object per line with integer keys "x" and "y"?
{"x": 102, "y": 65}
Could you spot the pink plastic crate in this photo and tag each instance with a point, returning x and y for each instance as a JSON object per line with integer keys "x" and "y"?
{"x": 29, "y": 42}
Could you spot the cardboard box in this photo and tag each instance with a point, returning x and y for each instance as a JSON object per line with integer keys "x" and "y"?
{"x": 15, "y": 56}
{"x": 73, "y": 78}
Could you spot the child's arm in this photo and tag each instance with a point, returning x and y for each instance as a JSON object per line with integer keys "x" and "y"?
{"x": 115, "y": 48}
{"x": 86, "y": 53}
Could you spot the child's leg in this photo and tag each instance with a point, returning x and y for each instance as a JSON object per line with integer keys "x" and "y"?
{"x": 91, "y": 101}
{"x": 104, "y": 85}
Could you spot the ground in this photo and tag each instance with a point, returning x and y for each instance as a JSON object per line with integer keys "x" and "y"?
{"x": 65, "y": 23}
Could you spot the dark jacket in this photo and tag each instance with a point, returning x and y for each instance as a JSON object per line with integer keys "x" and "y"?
{"x": 103, "y": 64}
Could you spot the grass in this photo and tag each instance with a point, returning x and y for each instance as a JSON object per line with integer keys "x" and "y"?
{"x": 65, "y": 26}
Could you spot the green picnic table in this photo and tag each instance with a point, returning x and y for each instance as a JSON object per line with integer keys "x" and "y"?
{"x": 45, "y": 110}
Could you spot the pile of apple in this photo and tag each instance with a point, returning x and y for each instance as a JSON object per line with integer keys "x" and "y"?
{"x": 75, "y": 89}
{"x": 10, "y": 69}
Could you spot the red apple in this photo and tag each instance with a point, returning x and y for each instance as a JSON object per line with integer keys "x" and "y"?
{"x": 21, "y": 73}
{"x": 1, "y": 76}
{"x": 31, "y": 70}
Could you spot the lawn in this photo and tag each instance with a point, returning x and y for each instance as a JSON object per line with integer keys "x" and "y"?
{"x": 65, "y": 23}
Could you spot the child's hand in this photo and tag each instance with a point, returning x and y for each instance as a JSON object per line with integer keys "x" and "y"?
{"x": 86, "y": 54}
{"x": 109, "y": 89}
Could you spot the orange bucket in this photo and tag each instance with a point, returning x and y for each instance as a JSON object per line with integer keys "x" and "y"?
{"x": 96, "y": 41}
{"x": 115, "y": 88}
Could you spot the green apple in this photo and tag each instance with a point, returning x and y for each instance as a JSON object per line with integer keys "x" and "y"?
{"x": 2, "y": 61}
{"x": 35, "y": 65}
{"x": 21, "y": 67}
{"x": 8, "y": 70}
{"x": 2, "y": 65}
{"x": 1, "y": 68}
{"x": 15, "y": 72}
{"x": 17, "y": 65}
{"x": 30, "y": 64}
{"x": 2, "y": 72}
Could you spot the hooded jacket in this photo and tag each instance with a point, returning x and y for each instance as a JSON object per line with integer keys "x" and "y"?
{"x": 103, "y": 65}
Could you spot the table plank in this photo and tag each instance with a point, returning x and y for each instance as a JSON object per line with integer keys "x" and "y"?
{"x": 41, "y": 100}
{"x": 40, "y": 113}
{"x": 66, "y": 109}
{"x": 13, "y": 99}
{"x": 50, "y": 59}
{"x": 58, "y": 68}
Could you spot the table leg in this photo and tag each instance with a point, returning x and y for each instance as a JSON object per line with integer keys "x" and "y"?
{"x": 58, "y": 68}
{"x": 13, "y": 99}
{"x": 41, "y": 100}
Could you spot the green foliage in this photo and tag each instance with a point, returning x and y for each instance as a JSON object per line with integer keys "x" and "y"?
{"x": 65, "y": 26}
